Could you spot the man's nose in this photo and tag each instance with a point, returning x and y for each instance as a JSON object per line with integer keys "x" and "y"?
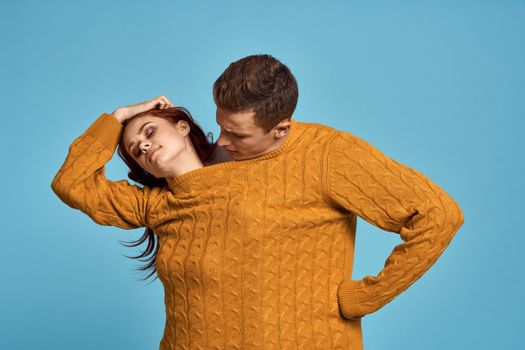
{"x": 223, "y": 140}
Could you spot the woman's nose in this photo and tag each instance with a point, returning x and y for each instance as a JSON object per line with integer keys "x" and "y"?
{"x": 144, "y": 146}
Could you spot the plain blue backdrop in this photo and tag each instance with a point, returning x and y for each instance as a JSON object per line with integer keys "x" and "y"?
{"x": 436, "y": 85}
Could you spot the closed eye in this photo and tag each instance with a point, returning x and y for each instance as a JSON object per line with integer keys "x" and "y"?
{"x": 150, "y": 132}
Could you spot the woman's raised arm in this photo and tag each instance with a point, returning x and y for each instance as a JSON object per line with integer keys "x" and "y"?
{"x": 124, "y": 113}
{"x": 81, "y": 184}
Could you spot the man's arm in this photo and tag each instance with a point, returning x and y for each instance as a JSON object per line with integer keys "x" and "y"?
{"x": 396, "y": 198}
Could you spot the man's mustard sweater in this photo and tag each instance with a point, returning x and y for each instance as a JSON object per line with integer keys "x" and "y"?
{"x": 258, "y": 254}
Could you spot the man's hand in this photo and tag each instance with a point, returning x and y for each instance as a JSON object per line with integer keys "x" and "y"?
{"x": 124, "y": 113}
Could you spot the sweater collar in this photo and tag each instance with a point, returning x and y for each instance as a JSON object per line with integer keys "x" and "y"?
{"x": 206, "y": 176}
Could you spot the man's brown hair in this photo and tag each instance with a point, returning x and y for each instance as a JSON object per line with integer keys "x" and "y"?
{"x": 258, "y": 83}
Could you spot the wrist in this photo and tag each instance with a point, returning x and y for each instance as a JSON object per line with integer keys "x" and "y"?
{"x": 120, "y": 114}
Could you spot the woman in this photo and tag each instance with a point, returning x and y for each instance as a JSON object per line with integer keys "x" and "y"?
{"x": 162, "y": 145}
{"x": 158, "y": 135}
{"x": 158, "y": 142}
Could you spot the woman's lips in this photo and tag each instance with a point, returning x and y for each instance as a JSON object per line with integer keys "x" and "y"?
{"x": 151, "y": 152}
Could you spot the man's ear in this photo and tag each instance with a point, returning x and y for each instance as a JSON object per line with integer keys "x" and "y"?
{"x": 281, "y": 129}
{"x": 183, "y": 127}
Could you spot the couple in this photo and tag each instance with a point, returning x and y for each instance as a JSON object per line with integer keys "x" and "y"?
{"x": 256, "y": 233}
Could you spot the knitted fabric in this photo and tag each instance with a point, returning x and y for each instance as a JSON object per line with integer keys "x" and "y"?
{"x": 258, "y": 254}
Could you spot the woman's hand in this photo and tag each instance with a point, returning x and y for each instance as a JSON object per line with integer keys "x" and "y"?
{"x": 124, "y": 113}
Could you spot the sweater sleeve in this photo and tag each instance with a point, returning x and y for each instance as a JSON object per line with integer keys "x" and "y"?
{"x": 81, "y": 184}
{"x": 396, "y": 198}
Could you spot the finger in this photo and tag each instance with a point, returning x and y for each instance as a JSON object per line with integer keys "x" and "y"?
{"x": 154, "y": 103}
{"x": 156, "y": 100}
{"x": 158, "y": 103}
{"x": 166, "y": 102}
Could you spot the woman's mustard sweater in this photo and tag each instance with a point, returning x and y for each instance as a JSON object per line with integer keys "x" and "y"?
{"x": 258, "y": 254}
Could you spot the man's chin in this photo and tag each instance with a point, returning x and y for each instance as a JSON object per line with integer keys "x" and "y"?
{"x": 237, "y": 156}
{"x": 234, "y": 154}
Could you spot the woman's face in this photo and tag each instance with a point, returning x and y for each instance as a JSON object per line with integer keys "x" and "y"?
{"x": 156, "y": 143}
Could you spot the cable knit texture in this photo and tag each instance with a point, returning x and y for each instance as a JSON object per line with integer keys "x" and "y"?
{"x": 258, "y": 254}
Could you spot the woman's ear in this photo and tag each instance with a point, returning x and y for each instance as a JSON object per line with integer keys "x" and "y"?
{"x": 183, "y": 127}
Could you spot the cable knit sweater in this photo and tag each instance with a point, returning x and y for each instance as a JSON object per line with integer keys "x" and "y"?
{"x": 258, "y": 254}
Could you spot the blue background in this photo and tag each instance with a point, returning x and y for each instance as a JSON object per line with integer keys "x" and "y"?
{"x": 436, "y": 85}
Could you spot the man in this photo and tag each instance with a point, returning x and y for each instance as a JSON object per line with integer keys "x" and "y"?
{"x": 305, "y": 186}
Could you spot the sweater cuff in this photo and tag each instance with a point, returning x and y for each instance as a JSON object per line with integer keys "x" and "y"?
{"x": 106, "y": 129}
{"x": 349, "y": 296}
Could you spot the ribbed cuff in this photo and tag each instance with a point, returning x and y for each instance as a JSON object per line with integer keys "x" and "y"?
{"x": 106, "y": 129}
{"x": 349, "y": 296}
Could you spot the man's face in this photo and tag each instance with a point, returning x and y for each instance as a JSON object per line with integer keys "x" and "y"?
{"x": 245, "y": 140}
